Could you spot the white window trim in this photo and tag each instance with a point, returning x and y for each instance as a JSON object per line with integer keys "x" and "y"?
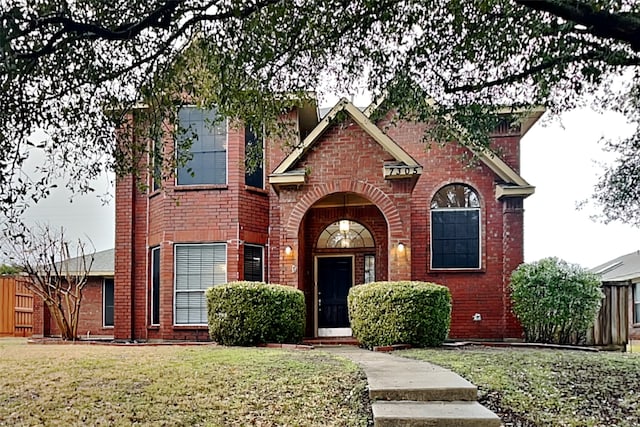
{"x": 104, "y": 323}
{"x": 175, "y": 291}
{"x": 479, "y": 267}
{"x": 253, "y": 245}
{"x": 153, "y": 249}
{"x": 226, "y": 178}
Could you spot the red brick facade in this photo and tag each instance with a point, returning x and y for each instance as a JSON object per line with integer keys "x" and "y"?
{"x": 343, "y": 160}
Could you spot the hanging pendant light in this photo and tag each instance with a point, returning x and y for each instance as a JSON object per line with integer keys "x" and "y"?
{"x": 344, "y": 226}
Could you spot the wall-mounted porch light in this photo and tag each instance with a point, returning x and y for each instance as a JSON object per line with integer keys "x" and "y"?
{"x": 288, "y": 250}
{"x": 401, "y": 247}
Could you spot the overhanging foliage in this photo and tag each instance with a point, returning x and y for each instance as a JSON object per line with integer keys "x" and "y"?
{"x": 77, "y": 69}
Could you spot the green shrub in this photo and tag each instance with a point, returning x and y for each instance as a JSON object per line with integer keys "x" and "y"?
{"x": 249, "y": 313}
{"x": 386, "y": 313}
{"x": 556, "y": 302}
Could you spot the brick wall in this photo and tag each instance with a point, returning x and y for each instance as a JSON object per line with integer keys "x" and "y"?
{"x": 90, "y": 319}
{"x": 344, "y": 160}
{"x": 231, "y": 214}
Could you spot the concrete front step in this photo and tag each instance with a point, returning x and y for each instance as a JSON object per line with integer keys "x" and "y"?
{"x": 433, "y": 414}
{"x": 438, "y": 384}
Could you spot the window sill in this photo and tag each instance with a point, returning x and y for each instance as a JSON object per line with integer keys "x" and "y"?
{"x": 153, "y": 327}
{"x": 256, "y": 190}
{"x": 107, "y": 327}
{"x": 190, "y": 327}
{"x": 457, "y": 270}
{"x": 201, "y": 187}
{"x": 635, "y": 325}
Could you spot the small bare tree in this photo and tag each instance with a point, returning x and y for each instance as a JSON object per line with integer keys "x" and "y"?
{"x": 54, "y": 269}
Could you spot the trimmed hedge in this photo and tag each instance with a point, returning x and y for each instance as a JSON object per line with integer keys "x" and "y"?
{"x": 250, "y": 313}
{"x": 386, "y": 313}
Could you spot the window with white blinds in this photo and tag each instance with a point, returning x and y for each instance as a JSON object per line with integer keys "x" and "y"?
{"x": 198, "y": 267}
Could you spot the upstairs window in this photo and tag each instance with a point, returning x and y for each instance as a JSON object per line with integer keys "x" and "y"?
{"x": 455, "y": 228}
{"x": 155, "y": 157}
{"x": 254, "y": 175}
{"x": 207, "y": 136}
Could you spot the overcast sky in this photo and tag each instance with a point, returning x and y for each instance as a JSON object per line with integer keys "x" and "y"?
{"x": 558, "y": 158}
{"x": 561, "y": 160}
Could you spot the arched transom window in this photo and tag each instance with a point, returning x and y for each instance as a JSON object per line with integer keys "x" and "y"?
{"x": 345, "y": 234}
{"x": 455, "y": 228}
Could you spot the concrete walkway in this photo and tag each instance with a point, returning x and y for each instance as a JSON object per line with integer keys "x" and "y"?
{"x": 406, "y": 392}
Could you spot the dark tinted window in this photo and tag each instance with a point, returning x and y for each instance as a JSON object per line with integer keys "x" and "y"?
{"x": 155, "y": 286}
{"x": 108, "y": 302}
{"x": 156, "y": 161}
{"x": 455, "y": 228}
{"x": 455, "y": 241}
{"x": 253, "y": 263}
{"x": 254, "y": 176}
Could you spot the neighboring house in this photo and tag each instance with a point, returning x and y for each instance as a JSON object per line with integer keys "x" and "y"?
{"x": 96, "y": 310}
{"x": 619, "y": 317}
{"x": 356, "y": 201}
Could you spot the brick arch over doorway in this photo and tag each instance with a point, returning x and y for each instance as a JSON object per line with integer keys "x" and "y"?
{"x": 375, "y": 195}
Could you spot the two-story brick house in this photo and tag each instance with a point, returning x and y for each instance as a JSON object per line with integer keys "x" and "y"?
{"x": 354, "y": 201}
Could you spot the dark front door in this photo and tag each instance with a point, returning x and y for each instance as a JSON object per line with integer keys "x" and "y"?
{"x": 335, "y": 277}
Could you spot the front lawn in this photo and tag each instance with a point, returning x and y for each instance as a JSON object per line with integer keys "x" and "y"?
{"x": 177, "y": 385}
{"x": 532, "y": 387}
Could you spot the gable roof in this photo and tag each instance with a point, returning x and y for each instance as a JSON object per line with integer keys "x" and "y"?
{"x": 528, "y": 116}
{"x": 513, "y": 184}
{"x": 621, "y": 269}
{"x": 363, "y": 121}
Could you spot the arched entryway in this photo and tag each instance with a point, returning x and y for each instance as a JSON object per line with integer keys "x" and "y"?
{"x": 344, "y": 238}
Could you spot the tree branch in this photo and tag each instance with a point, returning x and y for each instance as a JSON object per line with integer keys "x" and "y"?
{"x": 543, "y": 66}
{"x": 624, "y": 27}
{"x": 159, "y": 18}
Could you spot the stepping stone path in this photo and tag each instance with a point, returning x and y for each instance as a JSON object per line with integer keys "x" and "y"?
{"x": 413, "y": 393}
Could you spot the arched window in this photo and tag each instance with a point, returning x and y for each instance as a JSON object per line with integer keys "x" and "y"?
{"x": 345, "y": 234}
{"x": 455, "y": 228}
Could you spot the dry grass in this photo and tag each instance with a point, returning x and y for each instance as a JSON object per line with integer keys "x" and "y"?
{"x": 174, "y": 385}
{"x": 533, "y": 387}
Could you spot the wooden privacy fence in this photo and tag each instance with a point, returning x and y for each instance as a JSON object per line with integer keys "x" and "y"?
{"x": 16, "y": 308}
{"x": 611, "y": 328}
